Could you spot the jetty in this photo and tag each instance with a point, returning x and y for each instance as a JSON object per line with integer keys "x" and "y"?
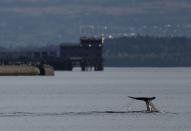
{"x": 26, "y": 70}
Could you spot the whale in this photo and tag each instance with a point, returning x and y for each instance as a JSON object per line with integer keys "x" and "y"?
{"x": 150, "y": 106}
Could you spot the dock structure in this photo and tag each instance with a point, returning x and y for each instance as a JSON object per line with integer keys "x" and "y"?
{"x": 87, "y": 55}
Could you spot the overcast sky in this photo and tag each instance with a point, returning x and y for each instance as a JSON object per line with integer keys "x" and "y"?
{"x": 107, "y": 7}
{"x": 33, "y": 21}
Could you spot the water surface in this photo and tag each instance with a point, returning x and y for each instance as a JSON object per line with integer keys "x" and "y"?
{"x": 84, "y": 101}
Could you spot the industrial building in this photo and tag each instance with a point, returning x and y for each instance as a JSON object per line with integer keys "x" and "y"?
{"x": 87, "y": 54}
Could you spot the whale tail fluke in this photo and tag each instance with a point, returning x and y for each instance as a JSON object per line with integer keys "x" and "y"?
{"x": 150, "y": 106}
{"x": 143, "y": 98}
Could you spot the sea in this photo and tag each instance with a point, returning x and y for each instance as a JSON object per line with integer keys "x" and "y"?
{"x": 97, "y": 101}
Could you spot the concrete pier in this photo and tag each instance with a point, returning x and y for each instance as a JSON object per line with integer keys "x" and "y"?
{"x": 25, "y": 70}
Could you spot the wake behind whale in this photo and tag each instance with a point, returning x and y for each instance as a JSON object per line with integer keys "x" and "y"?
{"x": 150, "y": 109}
{"x": 62, "y": 114}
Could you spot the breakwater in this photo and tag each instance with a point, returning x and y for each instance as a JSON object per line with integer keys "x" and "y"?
{"x": 26, "y": 70}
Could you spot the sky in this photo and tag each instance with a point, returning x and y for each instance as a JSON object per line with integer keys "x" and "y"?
{"x": 61, "y": 20}
{"x": 104, "y": 7}
{"x": 109, "y": 7}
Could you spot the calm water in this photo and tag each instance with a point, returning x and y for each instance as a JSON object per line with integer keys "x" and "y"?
{"x": 82, "y": 101}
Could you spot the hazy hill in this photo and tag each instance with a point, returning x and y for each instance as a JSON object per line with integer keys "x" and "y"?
{"x": 148, "y": 51}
